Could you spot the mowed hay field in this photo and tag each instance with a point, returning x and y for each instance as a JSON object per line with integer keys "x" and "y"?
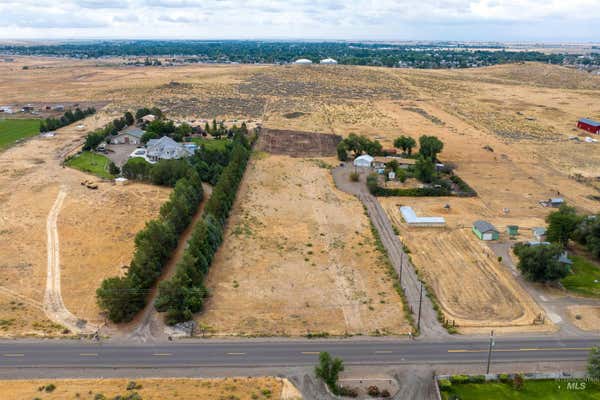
{"x": 298, "y": 258}
{"x": 472, "y": 287}
{"x": 149, "y": 389}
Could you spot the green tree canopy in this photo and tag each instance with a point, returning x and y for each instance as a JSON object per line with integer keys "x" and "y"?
{"x": 406, "y": 143}
{"x": 430, "y": 146}
{"x": 540, "y": 263}
{"x": 562, "y": 224}
{"x": 424, "y": 169}
{"x": 328, "y": 370}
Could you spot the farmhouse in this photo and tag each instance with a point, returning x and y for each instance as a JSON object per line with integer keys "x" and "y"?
{"x": 166, "y": 148}
{"x": 589, "y": 125}
{"x": 485, "y": 231}
{"x": 363, "y": 161}
{"x": 131, "y": 135}
{"x": 410, "y": 217}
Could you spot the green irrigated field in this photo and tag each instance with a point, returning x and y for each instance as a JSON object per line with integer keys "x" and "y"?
{"x": 532, "y": 390}
{"x": 93, "y": 163}
{"x": 12, "y": 130}
{"x": 585, "y": 278}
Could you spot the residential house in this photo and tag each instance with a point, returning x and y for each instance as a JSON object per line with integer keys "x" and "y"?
{"x": 166, "y": 148}
{"x": 129, "y": 135}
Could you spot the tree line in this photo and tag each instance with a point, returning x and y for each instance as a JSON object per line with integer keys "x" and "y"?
{"x": 122, "y": 297}
{"x": 183, "y": 295}
{"x": 540, "y": 263}
{"x": 435, "y": 55}
{"x": 52, "y": 124}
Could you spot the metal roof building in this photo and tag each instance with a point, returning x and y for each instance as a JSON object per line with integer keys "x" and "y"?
{"x": 411, "y": 218}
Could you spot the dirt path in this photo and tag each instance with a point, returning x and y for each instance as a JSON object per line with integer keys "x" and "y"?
{"x": 430, "y": 327}
{"x": 149, "y": 325}
{"x": 53, "y": 302}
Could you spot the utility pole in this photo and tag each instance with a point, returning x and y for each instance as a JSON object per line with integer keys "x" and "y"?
{"x": 401, "y": 265}
{"x": 492, "y": 344}
{"x": 420, "y": 301}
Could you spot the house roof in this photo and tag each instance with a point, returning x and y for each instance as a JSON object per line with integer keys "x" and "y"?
{"x": 590, "y": 122}
{"x": 133, "y": 131}
{"x": 484, "y": 226}
{"x": 557, "y": 200}
{"x": 539, "y": 231}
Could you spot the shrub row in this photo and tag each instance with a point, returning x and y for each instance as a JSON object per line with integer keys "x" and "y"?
{"x": 412, "y": 192}
{"x": 163, "y": 173}
{"x": 465, "y": 189}
{"x": 122, "y": 297}
{"x": 183, "y": 295}
{"x": 51, "y": 124}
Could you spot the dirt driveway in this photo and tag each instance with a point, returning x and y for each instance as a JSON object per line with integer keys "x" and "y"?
{"x": 119, "y": 153}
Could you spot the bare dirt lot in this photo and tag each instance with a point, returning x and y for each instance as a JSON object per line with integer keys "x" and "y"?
{"x": 296, "y": 143}
{"x": 151, "y": 389}
{"x": 299, "y": 257}
{"x": 585, "y": 317}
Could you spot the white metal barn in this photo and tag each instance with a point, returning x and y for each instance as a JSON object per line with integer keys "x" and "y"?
{"x": 411, "y": 218}
{"x": 364, "y": 161}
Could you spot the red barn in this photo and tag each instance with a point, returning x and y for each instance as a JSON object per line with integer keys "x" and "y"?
{"x": 589, "y": 125}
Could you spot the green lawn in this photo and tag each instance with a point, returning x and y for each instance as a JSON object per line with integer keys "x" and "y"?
{"x": 211, "y": 144}
{"x": 581, "y": 281}
{"x": 14, "y": 129}
{"x": 532, "y": 390}
{"x": 93, "y": 163}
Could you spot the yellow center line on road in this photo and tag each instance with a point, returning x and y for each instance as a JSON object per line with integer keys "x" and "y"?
{"x": 162, "y": 354}
{"x": 236, "y": 354}
{"x": 88, "y": 354}
{"x": 14, "y": 355}
{"x": 310, "y": 352}
{"x": 526, "y": 349}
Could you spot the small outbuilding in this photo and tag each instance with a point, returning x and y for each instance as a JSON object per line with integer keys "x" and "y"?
{"x": 485, "y": 231}
{"x": 131, "y": 135}
{"x": 556, "y": 202}
{"x": 539, "y": 233}
{"x": 410, "y": 217}
{"x": 363, "y": 161}
{"x": 512, "y": 230}
{"x": 589, "y": 125}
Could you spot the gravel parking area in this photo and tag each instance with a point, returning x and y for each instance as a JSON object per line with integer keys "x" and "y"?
{"x": 119, "y": 153}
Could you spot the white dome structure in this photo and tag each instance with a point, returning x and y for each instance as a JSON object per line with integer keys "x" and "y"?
{"x": 303, "y": 61}
{"x": 328, "y": 61}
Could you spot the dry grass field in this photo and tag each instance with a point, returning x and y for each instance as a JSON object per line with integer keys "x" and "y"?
{"x": 586, "y": 318}
{"x": 471, "y": 285}
{"x": 299, "y": 257}
{"x": 525, "y": 112}
{"x": 95, "y": 230}
{"x": 148, "y": 389}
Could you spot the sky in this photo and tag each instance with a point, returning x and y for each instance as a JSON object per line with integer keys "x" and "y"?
{"x": 459, "y": 20}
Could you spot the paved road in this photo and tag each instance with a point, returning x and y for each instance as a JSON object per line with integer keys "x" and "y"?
{"x": 286, "y": 353}
{"x": 429, "y": 325}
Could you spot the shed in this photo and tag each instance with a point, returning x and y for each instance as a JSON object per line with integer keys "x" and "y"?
{"x": 512, "y": 230}
{"x": 556, "y": 201}
{"x": 485, "y": 231}
{"x": 363, "y": 161}
{"x": 589, "y": 125}
{"x": 539, "y": 233}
